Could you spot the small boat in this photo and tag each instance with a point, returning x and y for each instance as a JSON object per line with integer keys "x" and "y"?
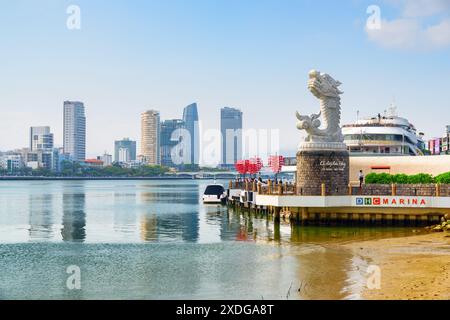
{"x": 214, "y": 193}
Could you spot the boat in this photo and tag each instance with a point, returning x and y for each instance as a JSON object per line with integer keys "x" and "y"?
{"x": 383, "y": 135}
{"x": 214, "y": 193}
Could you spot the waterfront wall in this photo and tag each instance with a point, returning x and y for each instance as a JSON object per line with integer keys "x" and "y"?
{"x": 434, "y": 165}
{"x": 420, "y": 190}
{"x": 407, "y": 190}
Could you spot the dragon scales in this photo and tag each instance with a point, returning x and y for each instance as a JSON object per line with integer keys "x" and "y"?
{"x": 326, "y": 89}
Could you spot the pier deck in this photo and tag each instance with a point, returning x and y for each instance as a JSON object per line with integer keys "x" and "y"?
{"x": 413, "y": 205}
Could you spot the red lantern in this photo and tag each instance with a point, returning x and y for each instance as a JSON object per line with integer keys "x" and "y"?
{"x": 241, "y": 166}
{"x": 255, "y": 165}
{"x": 276, "y": 163}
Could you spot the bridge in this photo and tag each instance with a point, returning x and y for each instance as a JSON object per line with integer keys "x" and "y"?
{"x": 207, "y": 174}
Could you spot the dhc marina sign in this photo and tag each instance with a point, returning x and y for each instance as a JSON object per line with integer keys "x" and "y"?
{"x": 391, "y": 201}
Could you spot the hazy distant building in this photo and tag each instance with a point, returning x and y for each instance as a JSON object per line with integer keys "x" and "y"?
{"x": 41, "y": 138}
{"x": 150, "y": 137}
{"x": 190, "y": 119}
{"x": 168, "y": 127}
{"x": 11, "y": 162}
{"x": 41, "y": 158}
{"x": 125, "y": 147}
{"x": 107, "y": 160}
{"x": 75, "y": 130}
{"x": 231, "y": 130}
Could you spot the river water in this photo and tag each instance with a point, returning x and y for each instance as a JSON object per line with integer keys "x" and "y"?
{"x": 156, "y": 240}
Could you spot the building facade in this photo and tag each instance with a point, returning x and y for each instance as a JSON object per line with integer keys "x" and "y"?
{"x": 150, "y": 137}
{"x": 127, "y": 147}
{"x": 231, "y": 130}
{"x": 11, "y": 162}
{"x": 41, "y": 138}
{"x": 75, "y": 130}
{"x": 107, "y": 160}
{"x": 191, "y": 124}
{"x": 438, "y": 146}
{"x": 168, "y": 127}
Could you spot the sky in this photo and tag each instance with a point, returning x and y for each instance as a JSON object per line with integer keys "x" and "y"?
{"x": 255, "y": 55}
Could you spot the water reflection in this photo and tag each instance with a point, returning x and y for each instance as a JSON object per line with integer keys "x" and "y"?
{"x": 170, "y": 213}
{"x": 148, "y": 211}
{"x": 124, "y": 218}
{"x": 40, "y": 216}
{"x": 74, "y": 214}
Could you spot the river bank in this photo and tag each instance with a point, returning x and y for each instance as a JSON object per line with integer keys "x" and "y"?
{"x": 6, "y": 178}
{"x": 412, "y": 268}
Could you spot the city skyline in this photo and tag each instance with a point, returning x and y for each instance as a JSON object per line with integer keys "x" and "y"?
{"x": 182, "y": 61}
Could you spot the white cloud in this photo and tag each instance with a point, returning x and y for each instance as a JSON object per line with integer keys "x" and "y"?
{"x": 423, "y": 8}
{"x": 439, "y": 35}
{"x": 410, "y": 31}
{"x": 408, "y": 34}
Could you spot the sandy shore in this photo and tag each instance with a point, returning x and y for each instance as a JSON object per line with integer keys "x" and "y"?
{"x": 416, "y": 267}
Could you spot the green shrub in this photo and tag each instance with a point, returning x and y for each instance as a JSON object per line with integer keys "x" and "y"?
{"x": 371, "y": 178}
{"x": 400, "y": 178}
{"x": 443, "y": 178}
{"x": 420, "y": 178}
{"x": 378, "y": 178}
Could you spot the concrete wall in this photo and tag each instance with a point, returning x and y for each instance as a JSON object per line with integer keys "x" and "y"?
{"x": 433, "y": 165}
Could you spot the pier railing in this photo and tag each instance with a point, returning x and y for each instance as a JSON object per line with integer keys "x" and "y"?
{"x": 288, "y": 189}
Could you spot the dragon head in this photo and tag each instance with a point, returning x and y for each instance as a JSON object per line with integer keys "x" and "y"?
{"x": 323, "y": 85}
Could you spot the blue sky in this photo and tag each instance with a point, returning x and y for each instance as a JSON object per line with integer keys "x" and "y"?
{"x": 130, "y": 56}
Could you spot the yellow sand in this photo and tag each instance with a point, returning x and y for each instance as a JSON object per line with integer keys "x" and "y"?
{"x": 412, "y": 268}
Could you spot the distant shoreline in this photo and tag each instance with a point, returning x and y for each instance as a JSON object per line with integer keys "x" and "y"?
{"x": 99, "y": 178}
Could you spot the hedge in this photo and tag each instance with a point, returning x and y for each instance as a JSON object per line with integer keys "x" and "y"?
{"x": 421, "y": 178}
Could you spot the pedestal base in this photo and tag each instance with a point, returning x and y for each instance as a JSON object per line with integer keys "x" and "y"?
{"x": 317, "y": 167}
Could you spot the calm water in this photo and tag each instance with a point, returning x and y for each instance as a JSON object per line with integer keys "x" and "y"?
{"x": 155, "y": 240}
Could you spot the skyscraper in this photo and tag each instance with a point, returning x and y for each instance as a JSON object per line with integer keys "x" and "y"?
{"x": 150, "y": 137}
{"x": 167, "y": 129}
{"x": 190, "y": 119}
{"x": 231, "y": 129}
{"x": 41, "y": 138}
{"x": 75, "y": 130}
{"x": 125, "y": 144}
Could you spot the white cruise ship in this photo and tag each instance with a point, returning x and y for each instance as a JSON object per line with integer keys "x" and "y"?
{"x": 383, "y": 135}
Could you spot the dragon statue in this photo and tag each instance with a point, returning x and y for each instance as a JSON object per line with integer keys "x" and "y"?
{"x": 326, "y": 89}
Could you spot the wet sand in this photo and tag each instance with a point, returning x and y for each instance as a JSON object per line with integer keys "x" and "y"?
{"x": 412, "y": 268}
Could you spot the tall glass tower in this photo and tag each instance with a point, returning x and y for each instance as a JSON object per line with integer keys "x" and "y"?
{"x": 167, "y": 144}
{"x": 75, "y": 130}
{"x": 231, "y": 129}
{"x": 190, "y": 119}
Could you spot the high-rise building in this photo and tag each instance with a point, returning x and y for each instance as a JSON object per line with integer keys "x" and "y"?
{"x": 190, "y": 119}
{"x": 124, "y": 155}
{"x": 41, "y": 138}
{"x": 127, "y": 146}
{"x": 41, "y": 153}
{"x": 150, "y": 137}
{"x": 231, "y": 130}
{"x": 167, "y": 144}
{"x": 75, "y": 130}
{"x": 107, "y": 159}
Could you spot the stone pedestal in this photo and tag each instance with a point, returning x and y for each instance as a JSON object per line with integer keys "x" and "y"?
{"x": 317, "y": 167}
